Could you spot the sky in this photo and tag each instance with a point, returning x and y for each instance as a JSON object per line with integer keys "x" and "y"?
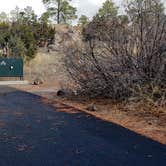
{"x": 87, "y": 7}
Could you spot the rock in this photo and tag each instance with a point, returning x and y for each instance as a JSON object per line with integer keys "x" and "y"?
{"x": 150, "y": 123}
{"x": 92, "y": 108}
{"x": 70, "y": 31}
{"x": 51, "y": 46}
{"x": 61, "y": 93}
{"x": 38, "y": 81}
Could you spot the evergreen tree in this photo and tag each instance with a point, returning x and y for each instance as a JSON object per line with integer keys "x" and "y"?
{"x": 17, "y": 47}
{"x": 108, "y": 9}
{"x": 83, "y": 20}
{"x": 61, "y": 10}
{"x": 22, "y": 34}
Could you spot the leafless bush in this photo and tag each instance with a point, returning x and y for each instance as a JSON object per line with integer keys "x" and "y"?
{"x": 123, "y": 53}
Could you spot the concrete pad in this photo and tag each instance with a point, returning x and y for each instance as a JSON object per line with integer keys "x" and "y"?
{"x": 14, "y": 83}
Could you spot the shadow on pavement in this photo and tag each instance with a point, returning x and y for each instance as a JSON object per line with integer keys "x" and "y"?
{"x": 33, "y": 133}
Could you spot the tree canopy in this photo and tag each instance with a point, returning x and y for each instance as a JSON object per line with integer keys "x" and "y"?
{"x": 60, "y": 10}
{"x": 108, "y": 9}
{"x": 21, "y": 33}
{"x": 83, "y": 20}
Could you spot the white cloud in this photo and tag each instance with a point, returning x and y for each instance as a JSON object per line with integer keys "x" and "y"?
{"x": 90, "y": 7}
{"x": 8, "y": 5}
{"x": 87, "y": 7}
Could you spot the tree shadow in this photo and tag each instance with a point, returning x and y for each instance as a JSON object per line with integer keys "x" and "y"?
{"x": 37, "y": 133}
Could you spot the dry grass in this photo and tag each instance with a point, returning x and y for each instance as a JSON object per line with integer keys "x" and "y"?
{"x": 137, "y": 118}
{"x": 48, "y": 67}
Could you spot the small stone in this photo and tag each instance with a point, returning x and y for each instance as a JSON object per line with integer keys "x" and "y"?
{"x": 61, "y": 93}
{"x": 92, "y": 108}
{"x": 38, "y": 81}
{"x": 150, "y": 123}
{"x": 70, "y": 31}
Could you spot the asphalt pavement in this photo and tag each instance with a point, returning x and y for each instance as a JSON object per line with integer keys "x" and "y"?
{"x": 33, "y": 133}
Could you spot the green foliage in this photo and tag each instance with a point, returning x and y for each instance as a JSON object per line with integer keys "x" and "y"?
{"x": 44, "y": 18}
{"x": 28, "y": 15}
{"x": 108, "y": 9}
{"x": 22, "y": 34}
{"x": 83, "y": 20}
{"x": 61, "y": 10}
{"x": 26, "y": 34}
{"x": 15, "y": 14}
{"x": 17, "y": 47}
{"x": 4, "y": 17}
{"x": 137, "y": 10}
{"x": 4, "y": 32}
{"x": 124, "y": 19}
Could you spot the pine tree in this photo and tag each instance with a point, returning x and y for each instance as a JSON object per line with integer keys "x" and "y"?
{"x": 61, "y": 10}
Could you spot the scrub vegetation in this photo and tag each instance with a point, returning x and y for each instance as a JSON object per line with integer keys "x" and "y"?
{"x": 21, "y": 33}
{"x": 114, "y": 63}
{"x": 123, "y": 57}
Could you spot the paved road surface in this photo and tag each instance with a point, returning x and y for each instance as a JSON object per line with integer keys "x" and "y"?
{"x": 36, "y": 134}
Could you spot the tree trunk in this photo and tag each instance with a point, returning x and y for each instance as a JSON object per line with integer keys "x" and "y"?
{"x": 58, "y": 13}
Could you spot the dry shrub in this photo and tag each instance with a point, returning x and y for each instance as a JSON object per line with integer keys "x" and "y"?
{"x": 123, "y": 57}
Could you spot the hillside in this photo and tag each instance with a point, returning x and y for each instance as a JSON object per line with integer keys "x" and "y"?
{"x": 48, "y": 63}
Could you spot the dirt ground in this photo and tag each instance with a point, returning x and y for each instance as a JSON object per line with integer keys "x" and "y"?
{"x": 138, "y": 118}
{"x": 150, "y": 122}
